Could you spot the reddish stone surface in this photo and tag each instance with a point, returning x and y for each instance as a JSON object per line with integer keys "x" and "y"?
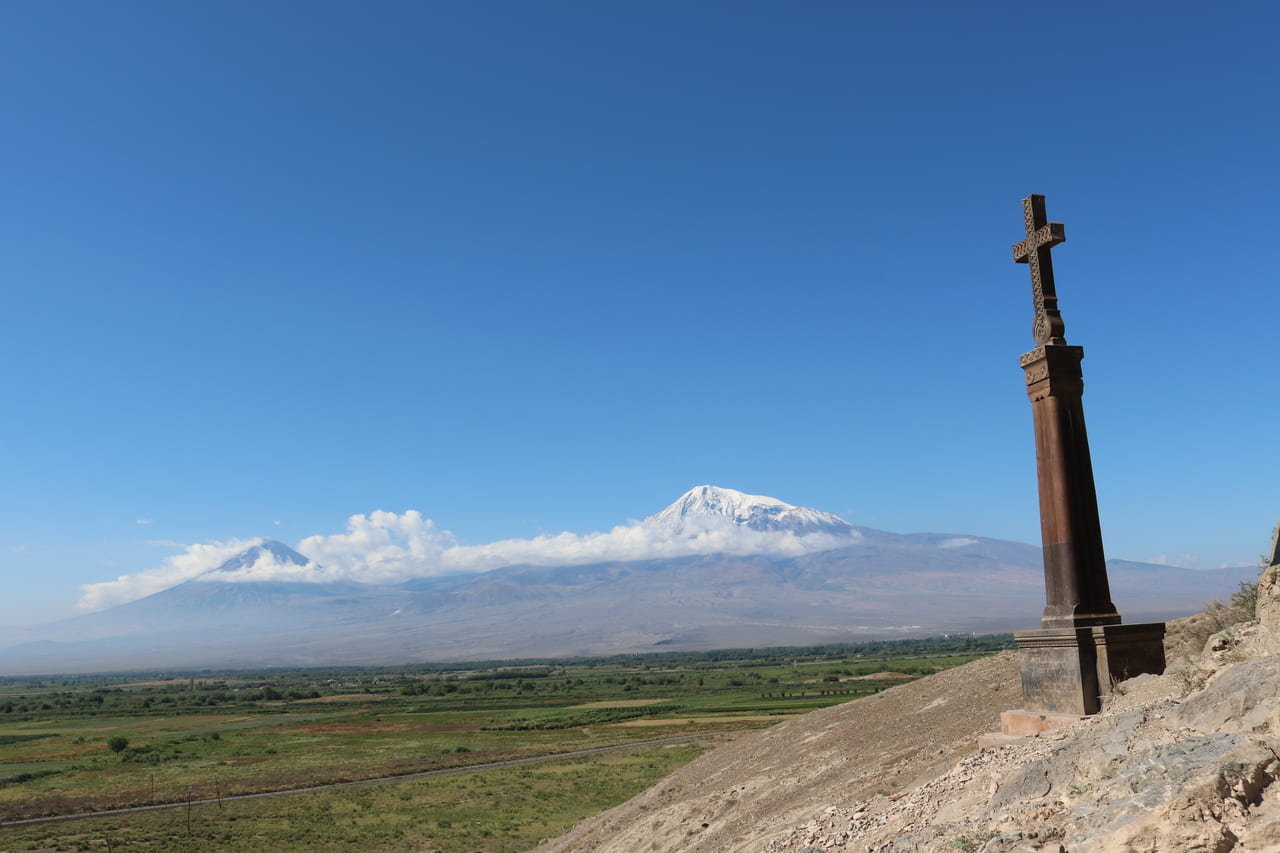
{"x": 1020, "y": 723}
{"x": 1081, "y": 648}
{"x": 1075, "y": 573}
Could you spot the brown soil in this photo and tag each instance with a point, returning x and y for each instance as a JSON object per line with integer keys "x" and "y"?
{"x": 730, "y": 799}
{"x": 902, "y": 743}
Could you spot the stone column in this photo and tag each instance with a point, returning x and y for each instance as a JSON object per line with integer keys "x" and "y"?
{"x": 1075, "y": 571}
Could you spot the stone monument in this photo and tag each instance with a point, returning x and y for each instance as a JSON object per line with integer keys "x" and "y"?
{"x": 1081, "y": 647}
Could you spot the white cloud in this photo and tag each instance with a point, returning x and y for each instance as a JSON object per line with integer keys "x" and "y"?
{"x": 381, "y": 547}
{"x": 196, "y": 560}
{"x": 958, "y": 542}
{"x": 385, "y": 547}
{"x": 145, "y": 521}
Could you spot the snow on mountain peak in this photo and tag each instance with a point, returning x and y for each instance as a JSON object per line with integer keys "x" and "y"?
{"x": 704, "y": 506}
{"x": 264, "y": 552}
{"x": 384, "y": 547}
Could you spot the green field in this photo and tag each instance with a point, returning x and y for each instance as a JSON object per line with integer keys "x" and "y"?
{"x": 73, "y": 745}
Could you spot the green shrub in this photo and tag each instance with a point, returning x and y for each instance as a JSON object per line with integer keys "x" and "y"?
{"x": 19, "y": 778}
{"x": 5, "y": 740}
{"x": 1246, "y": 596}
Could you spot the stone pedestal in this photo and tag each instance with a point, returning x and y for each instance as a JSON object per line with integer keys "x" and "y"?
{"x": 1067, "y": 671}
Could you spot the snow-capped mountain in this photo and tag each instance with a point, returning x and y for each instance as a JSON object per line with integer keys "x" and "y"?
{"x": 705, "y": 506}
{"x": 719, "y": 569}
{"x": 268, "y": 550}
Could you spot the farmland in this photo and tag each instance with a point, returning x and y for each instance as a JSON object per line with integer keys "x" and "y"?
{"x": 76, "y": 745}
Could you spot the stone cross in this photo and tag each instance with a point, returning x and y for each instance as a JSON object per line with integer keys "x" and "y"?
{"x": 1042, "y": 236}
{"x": 1075, "y": 569}
{"x": 1081, "y": 647}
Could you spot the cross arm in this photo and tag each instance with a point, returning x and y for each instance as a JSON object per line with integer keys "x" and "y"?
{"x": 1050, "y": 234}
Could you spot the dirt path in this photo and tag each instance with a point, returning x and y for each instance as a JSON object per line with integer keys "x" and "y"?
{"x": 381, "y": 780}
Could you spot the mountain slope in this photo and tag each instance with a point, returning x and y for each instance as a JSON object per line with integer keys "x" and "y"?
{"x": 856, "y": 583}
{"x": 736, "y": 798}
{"x": 889, "y": 589}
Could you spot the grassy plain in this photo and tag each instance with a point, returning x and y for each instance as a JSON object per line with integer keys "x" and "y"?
{"x": 75, "y": 745}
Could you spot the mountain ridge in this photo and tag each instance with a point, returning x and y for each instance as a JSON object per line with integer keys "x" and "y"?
{"x": 850, "y": 584}
{"x": 698, "y": 602}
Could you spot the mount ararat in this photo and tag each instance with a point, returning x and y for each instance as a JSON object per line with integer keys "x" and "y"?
{"x": 815, "y": 579}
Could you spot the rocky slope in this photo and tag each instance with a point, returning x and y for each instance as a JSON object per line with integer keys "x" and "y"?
{"x": 1183, "y": 762}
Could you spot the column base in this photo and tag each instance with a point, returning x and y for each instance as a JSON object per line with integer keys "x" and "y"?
{"x": 1067, "y": 671}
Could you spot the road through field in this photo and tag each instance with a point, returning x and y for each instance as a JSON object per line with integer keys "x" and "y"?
{"x": 381, "y": 780}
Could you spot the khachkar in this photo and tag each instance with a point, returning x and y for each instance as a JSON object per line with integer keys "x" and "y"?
{"x": 1081, "y": 648}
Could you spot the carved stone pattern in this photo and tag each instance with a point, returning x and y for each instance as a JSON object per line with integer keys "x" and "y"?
{"x": 1040, "y": 329}
{"x": 1048, "y": 639}
{"x": 1027, "y": 357}
{"x": 1046, "y": 236}
{"x": 1037, "y": 372}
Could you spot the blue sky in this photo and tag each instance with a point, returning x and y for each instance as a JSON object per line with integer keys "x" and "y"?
{"x": 536, "y": 267}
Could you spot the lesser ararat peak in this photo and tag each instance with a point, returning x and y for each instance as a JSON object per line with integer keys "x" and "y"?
{"x": 270, "y": 548}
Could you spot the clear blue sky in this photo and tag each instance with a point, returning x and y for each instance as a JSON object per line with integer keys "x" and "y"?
{"x": 534, "y": 267}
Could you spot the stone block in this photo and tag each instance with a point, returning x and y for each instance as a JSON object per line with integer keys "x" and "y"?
{"x": 1020, "y": 723}
{"x": 1127, "y": 651}
{"x": 1067, "y": 671}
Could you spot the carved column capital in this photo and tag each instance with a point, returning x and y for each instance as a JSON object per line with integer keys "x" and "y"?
{"x": 1053, "y": 370}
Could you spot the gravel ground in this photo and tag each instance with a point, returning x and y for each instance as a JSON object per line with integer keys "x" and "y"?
{"x": 901, "y": 771}
{"x": 737, "y": 797}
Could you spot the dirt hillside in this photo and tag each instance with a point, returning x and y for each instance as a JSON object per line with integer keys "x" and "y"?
{"x": 738, "y": 796}
{"x": 1181, "y": 762}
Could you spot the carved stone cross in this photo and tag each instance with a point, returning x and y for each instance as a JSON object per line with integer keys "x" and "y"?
{"x": 1081, "y": 647}
{"x": 1042, "y": 236}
